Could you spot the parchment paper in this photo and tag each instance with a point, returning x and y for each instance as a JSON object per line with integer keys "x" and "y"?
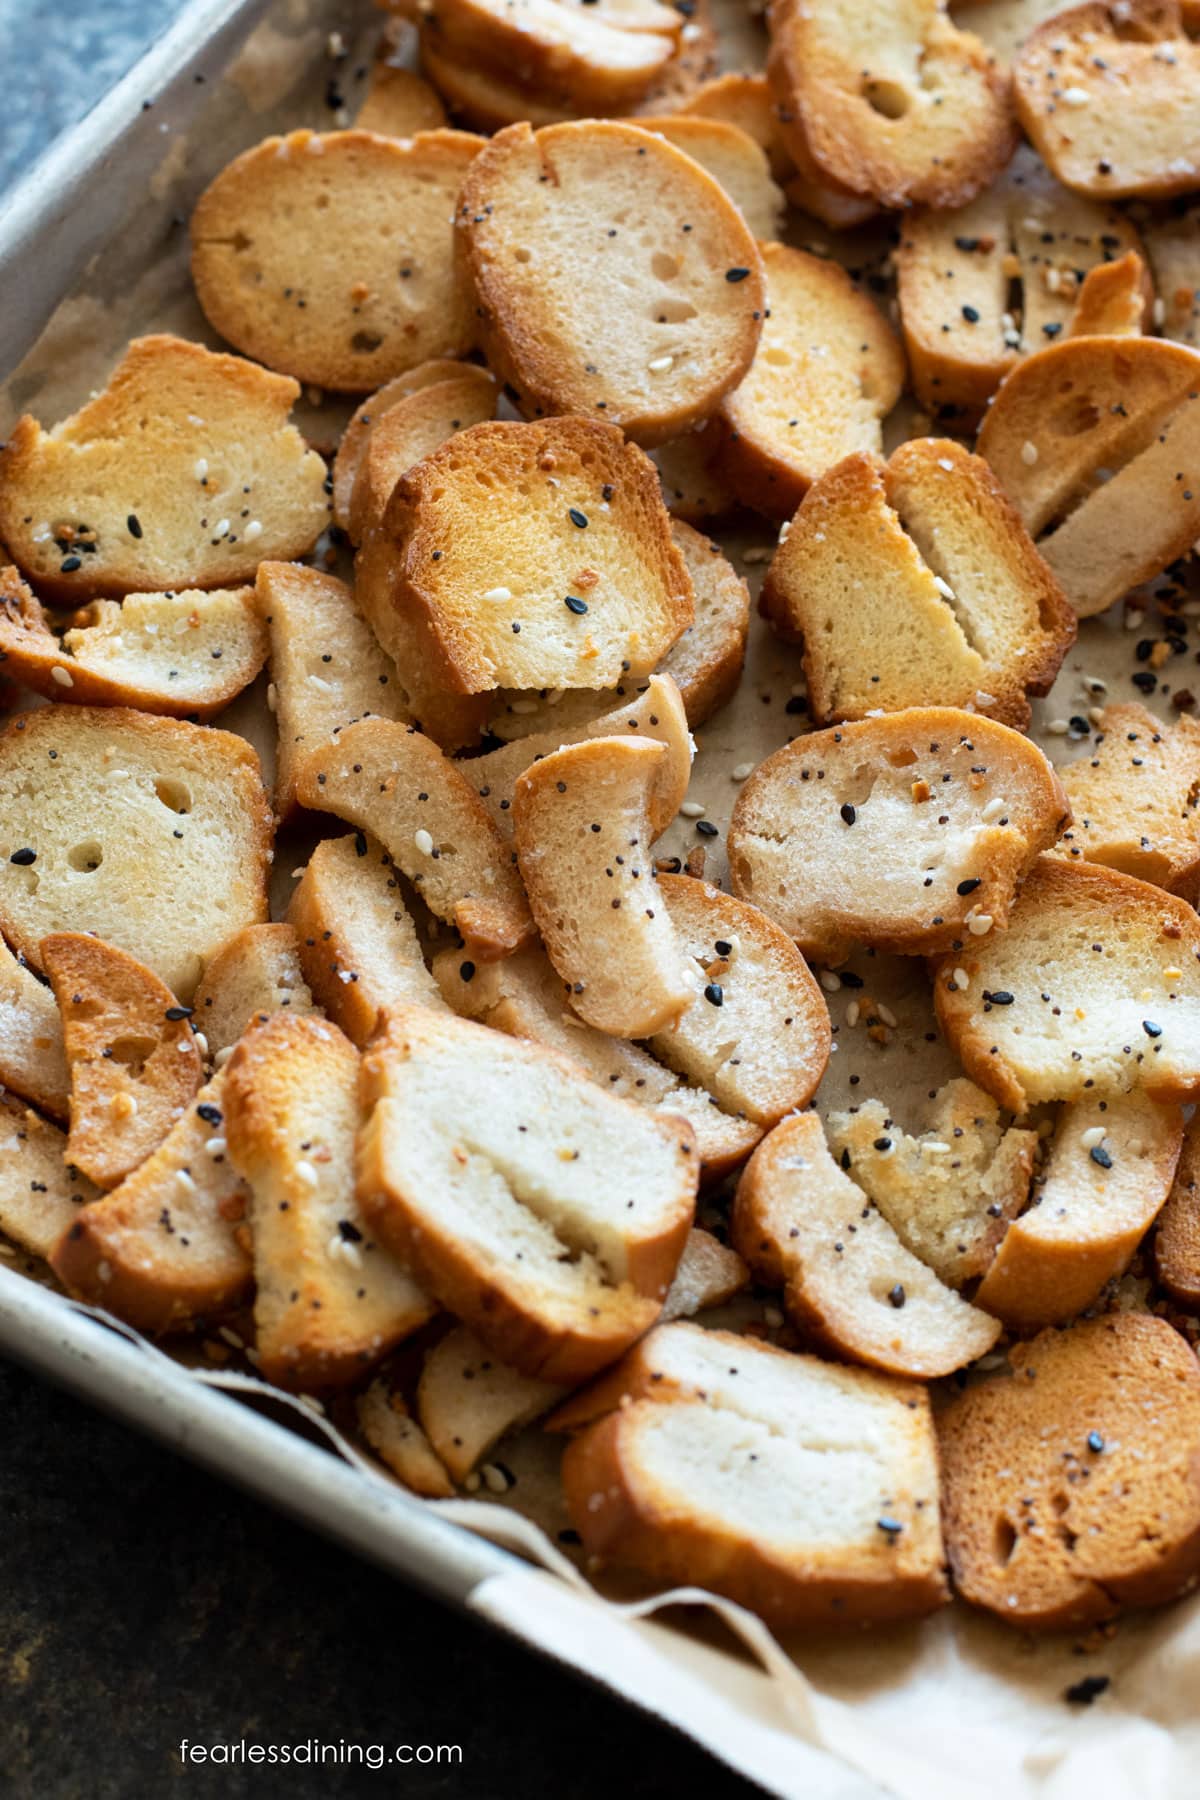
{"x": 953, "y": 1706}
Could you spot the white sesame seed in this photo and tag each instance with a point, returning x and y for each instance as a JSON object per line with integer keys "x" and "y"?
{"x": 943, "y": 587}
{"x": 498, "y": 593}
{"x": 222, "y": 528}
{"x": 830, "y": 982}
{"x": 216, "y": 1146}
{"x": 494, "y": 1479}
{"x": 1160, "y": 310}
{"x": 200, "y": 471}
{"x": 1133, "y": 619}
{"x": 223, "y": 1055}
{"x": 184, "y": 1181}
{"x": 1096, "y": 715}
{"x": 961, "y": 980}
{"x": 994, "y": 809}
{"x": 423, "y": 842}
{"x": 852, "y": 1012}
{"x": 936, "y": 1148}
{"x": 345, "y": 976}
{"x": 945, "y": 463}
{"x": 1092, "y": 1136}
{"x": 201, "y": 1042}
{"x": 231, "y": 1337}
{"x": 253, "y": 530}
{"x": 661, "y": 364}
{"x": 63, "y": 676}
{"x": 692, "y": 809}
{"x": 1058, "y": 727}
{"x": 1076, "y": 96}
{"x": 319, "y": 682}
{"x": 272, "y": 696}
{"x": 887, "y": 1015}
{"x": 522, "y": 707}
{"x": 742, "y": 772}
{"x": 1029, "y": 453}
{"x": 979, "y": 924}
{"x": 306, "y": 1173}
{"x": 351, "y": 1254}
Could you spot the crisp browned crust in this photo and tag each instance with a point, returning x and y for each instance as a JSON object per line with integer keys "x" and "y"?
{"x": 528, "y": 241}
{"x": 575, "y": 52}
{"x": 321, "y": 301}
{"x": 706, "y": 662}
{"x": 367, "y": 415}
{"x": 1134, "y": 796}
{"x": 1113, "y": 300}
{"x": 169, "y": 1248}
{"x": 1110, "y": 95}
{"x": 32, "y": 1061}
{"x": 181, "y": 456}
{"x": 131, "y": 1054}
{"x": 410, "y": 430}
{"x": 1177, "y": 1240}
{"x": 398, "y": 103}
{"x": 41, "y": 1195}
{"x": 255, "y": 973}
{"x": 1072, "y": 1489}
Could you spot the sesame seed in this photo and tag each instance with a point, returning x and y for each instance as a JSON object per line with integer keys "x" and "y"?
{"x": 735, "y": 275}
{"x": 423, "y": 842}
{"x": 661, "y": 364}
{"x": 1092, "y": 1136}
{"x": 979, "y": 924}
{"x": 200, "y": 468}
{"x": 575, "y": 605}
{"x": 692, "y": 809}
{"x": 1101, "y": 1156}
{"x": 714, "y": 993}
{"x": 1029, "y": 453}
{"x": 498, "y": 593}
{"x": 1076, "y": 96}
{"x": 253, "y": 530}
{"x": 829, "y": 981}
{"x": 23, "y": 858}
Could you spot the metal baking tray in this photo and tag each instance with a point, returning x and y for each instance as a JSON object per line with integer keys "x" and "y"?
{"x": 99, "y": 187}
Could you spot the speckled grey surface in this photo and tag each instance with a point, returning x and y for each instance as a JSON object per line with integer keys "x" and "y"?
{"x": 59, "y": 57}
{"x": 142, "y": 1602}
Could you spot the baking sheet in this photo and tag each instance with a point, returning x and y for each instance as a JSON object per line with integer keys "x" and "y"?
{"x": 955, "y": 1705}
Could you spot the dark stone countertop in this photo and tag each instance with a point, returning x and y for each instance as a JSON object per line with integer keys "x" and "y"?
{"x": 141, "y": 1601}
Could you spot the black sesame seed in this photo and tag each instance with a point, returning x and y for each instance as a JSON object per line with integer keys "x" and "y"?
{"x": 736, "y": 274}
{"x": 467, "y": 971}
{"x": 1052, "y": 330}
{"x": 892, "y": 1527}
{"x": 1151, "y": 1029}
{"x": 722, "y": 948}
{"x": 577, "y": 518}
{"x": 969, "y": 886}
{"x": 70, "y": 564}
{"x": 1100, "y": 1155}
{"x": 714, "y": 993}
{"x": 1002, "y": 997}
{"x": 1082, "y": 1693}
{"x": 797, "y": 704}
{"x": 883, "y": 1143}
{"x": 1095, "y": 1442}
{"x": 212, "y": 1115}
{"x": 135, "y": 525}
{"x": 971, "y": 315}
{"x": 23, "y": 858}
{"x": 1145, "y": 680}
{"x": 175, "y": 1013}
{"x": 897, "y": 1296}
{"x": 574, "y": 604}
{"x": 706, "y": 828}
{"x": 848, "y": 813}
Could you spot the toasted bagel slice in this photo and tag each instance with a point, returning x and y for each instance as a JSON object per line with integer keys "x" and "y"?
{"x": 41, "y": 1196}
{"x": 409, "y": 430}
{"x": 1173, "y": 246}
{"x": 1110, "y": 96}
{"x": 1093, "y": 989}
{"x": 327, "y": 669}
{"x": 900, "y": 107}
{"x": 168, "y": 1248}
{"x": 330, "y": 1300}
{"x": 657, "y": 712}
{"x": 804, "y": 1226}
{"x": 367, "y": 415}
{"x": 706, "y": 662}
{"x": 131, "y": 1054}
{"x": 743, "y": 100}
{"x": 355, "y": 937}
{"x": 581, "y": 53}
{"x": 32, "y": 1060}
{"x": 757, "y": 1037}
{"x": 827, "y": 371}
{"x": 468, "y": 1400}
{"x": 736, "y": 161}
{"x": 257, "y": 973}
{"x": 484, "y": 98}
{"x": 947, "y": 1190}
{"x": 399, "y": 103}
{"x": 583, "y": 830}
{"x": 692, "y": 486}
{"x": 192, "y": 475}
{"x": 914, "y": 583}
{"x": 956, "y": 273}
{"x": 567, "y": 577}
{"x": 1177, "y": 1240}
{"x": 1133, "y": 799}
{"x": 1097, "y": 444}
{"x": 1071, "y": 1489}
{"x": 1087, "y": 1214}
{"x": 547, "y": 1215}
{"x": 799, "y": 1488}
{"x": 525, "y": 997}
{"x": 186, "y": 655}
{"x": 152, "y": 833}
{"x": 537, "y": 251}
{"x": 897, "y": 832}
{"x": 323, "y": 304}
{"x": 1113, "y": 300}
{"x": 396, "y": 1438}
{"x": 392, "y": 781}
